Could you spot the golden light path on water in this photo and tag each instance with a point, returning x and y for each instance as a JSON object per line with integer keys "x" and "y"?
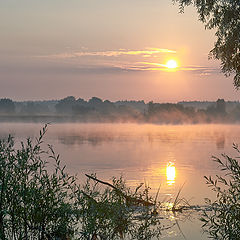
{"x": 171, "y": 173}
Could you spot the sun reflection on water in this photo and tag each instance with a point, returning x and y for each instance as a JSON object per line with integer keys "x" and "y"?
{"x": 171, "y": 173}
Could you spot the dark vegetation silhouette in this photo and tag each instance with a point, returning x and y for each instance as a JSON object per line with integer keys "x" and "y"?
{"x": 7, "y": 106}
{"x": 223, "y": 221}
{"x": 97, "y": 110}
{"x": 40, "y": 200}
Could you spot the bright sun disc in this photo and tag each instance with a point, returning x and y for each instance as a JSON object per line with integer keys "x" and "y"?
{"x": 171, "y": 64}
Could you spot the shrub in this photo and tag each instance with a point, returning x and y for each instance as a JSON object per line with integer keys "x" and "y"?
{"x": 223, "y": 221}
{"x": 34, "y": 203}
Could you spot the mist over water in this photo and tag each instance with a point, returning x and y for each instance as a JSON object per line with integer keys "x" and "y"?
{"x": 141, "y": 152}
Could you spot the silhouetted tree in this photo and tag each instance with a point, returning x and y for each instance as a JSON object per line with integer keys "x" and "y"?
{"x": 150, "y": 108}
{"x": 170, "y": 113}
{"x": 81, "y": 101}
{"x": 217, "y": 110}
{"x": 139, "y": 105}
{"x": 221, "y": 106}
{"x": 224, "y": 17}
{"x": 34, "y": 108}
{"x": 95, "y": 100}
{"x": 108, "y": 107}
{"x": 65, "y": 105}
{"x": 235, "y": 113}
{"x": 7, "y": 105}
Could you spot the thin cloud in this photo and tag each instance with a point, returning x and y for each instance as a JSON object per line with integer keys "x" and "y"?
{"x": 116, "y": 53}
{"x": 119, "y": 60}
{"x": 153, "y": 64}
{"x": 159, "y": 66}
{"x": 102, "y": 68}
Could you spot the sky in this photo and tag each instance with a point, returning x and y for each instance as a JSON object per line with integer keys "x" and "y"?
{"x": 115, "y": 50}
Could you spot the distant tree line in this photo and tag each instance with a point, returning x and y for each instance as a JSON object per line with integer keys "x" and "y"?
{"x": 179, "y": 113}
{"x": 97, "y": 110}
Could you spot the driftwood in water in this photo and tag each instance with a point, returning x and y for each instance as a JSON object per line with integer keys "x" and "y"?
{"x": 129, "y": 200}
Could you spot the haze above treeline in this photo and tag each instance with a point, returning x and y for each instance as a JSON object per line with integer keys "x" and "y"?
{"x": 71, "y": 109}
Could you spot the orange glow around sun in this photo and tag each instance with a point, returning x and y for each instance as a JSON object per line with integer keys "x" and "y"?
{"x": 171, "y": 64}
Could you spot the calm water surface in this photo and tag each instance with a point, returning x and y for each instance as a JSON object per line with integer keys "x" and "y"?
{"x": 169, "y": 156}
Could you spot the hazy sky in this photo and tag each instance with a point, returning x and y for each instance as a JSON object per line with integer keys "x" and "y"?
{"x": 111, "y": 49}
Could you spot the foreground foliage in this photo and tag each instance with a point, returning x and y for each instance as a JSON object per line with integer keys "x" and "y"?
{"x": 40, "y": 200}
{"x": 34, "y": 204}
{"x": 223, "y": 222}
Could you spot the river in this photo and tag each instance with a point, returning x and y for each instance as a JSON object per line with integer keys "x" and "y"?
{"x": 169, "y": 156}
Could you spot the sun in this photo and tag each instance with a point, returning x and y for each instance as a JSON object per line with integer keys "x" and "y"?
{"x": 171, "y": 64}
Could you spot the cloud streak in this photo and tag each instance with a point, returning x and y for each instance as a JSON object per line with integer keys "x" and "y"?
{"x": 159, "y": 66}
{"x": 115, "y": 53}
{"x": 70, "y": 68}
{"x": 121, "y": 60}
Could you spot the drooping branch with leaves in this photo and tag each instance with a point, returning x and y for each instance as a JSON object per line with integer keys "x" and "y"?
{"x": 224, "y": 17}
